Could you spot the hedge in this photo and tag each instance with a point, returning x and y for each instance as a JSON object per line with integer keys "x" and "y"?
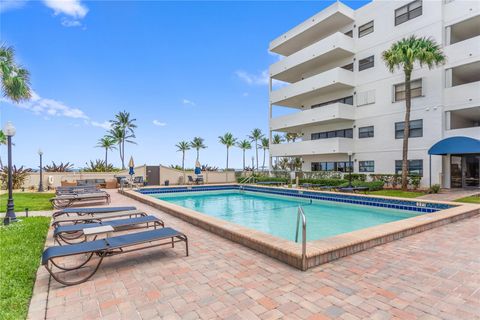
{"x": 324, "y": 182}
{"x": 371, "y": 185}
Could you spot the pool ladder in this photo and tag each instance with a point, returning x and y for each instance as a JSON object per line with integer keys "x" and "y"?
{"x": 301, "y": 214}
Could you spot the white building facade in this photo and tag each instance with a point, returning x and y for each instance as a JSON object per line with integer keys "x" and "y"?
{"x": 347, "y": 103}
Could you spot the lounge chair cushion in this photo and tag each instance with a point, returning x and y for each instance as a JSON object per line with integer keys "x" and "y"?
{"x": 109, "y": 243}
{"x": 96, "y": 210}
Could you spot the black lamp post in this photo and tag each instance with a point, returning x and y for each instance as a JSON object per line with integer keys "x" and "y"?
{"x": 350, "y": 168}
{"x": 9, "y": 131}
{"x": 40, "y": 184}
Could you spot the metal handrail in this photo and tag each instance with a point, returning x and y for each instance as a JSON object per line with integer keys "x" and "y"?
{"x": 301, "y": 213}
{"x": 246, "y": 179}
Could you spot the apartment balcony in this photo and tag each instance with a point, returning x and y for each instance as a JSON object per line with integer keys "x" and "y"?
{"x": 310, "y": 31}
{"x": 458, "y": 9}
{"x": 333, "y": 48}
{"x": 462, "y": 95}
{"x": 463, "y": 50}
{"x": 295, "y": 94}
{"x": 312, "y": 147}
{"x": 322, "y": 115}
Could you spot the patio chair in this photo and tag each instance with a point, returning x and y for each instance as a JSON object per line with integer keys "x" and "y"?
{"x": 199, "y": 179}
{"x": 106, "y": 248}
{"x": 63, "y": 201}
{"x": 190, "y": 180}
{"x": 74, "y": 232}
{"x": 91, "y": 218}
{"x": 85, "y": 211}
{"x": 76, "y": 190}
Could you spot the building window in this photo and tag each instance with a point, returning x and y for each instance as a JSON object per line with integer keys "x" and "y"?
{"x": 341, "y": 166}
{"x": 415, "y": 167}
{"x": 416, "y": 129}
{"x": 366, "y": 166}
{"x": 345, "y": 100}
{"x": 365, "y": 132}
{"x": 342, "y": 133}
{"x": 415, "y": 90}
{"x": 348, "y": 67}
{"x": 366, "y": 63}
{"x": 349, "y": 33}
{"x": 408, "y": 12}
{"x": 367, "y": 28}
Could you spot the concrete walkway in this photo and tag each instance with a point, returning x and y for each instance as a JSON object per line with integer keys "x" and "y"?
{"x": 450, "y": 194}
{"x": 431, "y": 275}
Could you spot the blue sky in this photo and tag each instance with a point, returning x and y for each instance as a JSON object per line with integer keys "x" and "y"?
{"x": 182, "y": 69}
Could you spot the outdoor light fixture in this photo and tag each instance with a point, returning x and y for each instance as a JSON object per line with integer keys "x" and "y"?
{"x": 9, "y": 131}
{"x": 40, "y": 184}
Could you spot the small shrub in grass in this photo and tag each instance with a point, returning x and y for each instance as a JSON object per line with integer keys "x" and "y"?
{"x": 434, "y": 188}
{"x": 371, "y": 185}
{"x": 414, "y": 181}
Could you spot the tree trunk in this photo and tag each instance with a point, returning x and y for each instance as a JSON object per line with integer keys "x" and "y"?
{"x": 198, "y": 153}
{"x": 256, "y": 153}
{"x": 183, "y": 160}
{"x": 264, "y": 152}
{"x": 123, "y": 153}
{"x": 406, "y": 129}
{"x": 226, "y": 169}
{"x": 243, "y": 159}
{"x": 106, "y": 159}
{"x": 120, "y": 152}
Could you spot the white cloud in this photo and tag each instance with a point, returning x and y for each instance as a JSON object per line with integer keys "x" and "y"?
{"x": 245, "y": 94}
{"x": 277, "y": 56}
{"x": 107, "y": 125}
{"x": 253, "y": 79}
{"x": 159, "y": 123}
{"x": 11, "y": 4}
{"x": 48, "y": 108}
{"x": 71, "y": 23}
{"x": 72, "y": 8}
{"x": 188, "y": 102}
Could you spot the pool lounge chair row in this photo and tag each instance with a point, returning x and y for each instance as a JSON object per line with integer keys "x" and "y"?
{"x": 67, "y": 196}
{"x": 71, "y": 228}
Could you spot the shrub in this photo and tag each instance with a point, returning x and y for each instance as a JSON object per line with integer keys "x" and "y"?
{"x": 67, "y": 167}
{"x": 18, "y": 176}
{"x": 99, "y": 166}
{"x": 414, "y": 181}
{"x": 325, "y": 182}
{"x": 322, "y": 175}
{"x": 434, "y": 188}
{"x": 371, "y": 185}
{"x": 355, "y": 176}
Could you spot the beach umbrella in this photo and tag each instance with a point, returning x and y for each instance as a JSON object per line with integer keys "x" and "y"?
{"x": 131, "y": 166}
{"x": 198, "y": 168}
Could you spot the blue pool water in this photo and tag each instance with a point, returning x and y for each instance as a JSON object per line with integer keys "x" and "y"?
{"x": 277, "y": 215}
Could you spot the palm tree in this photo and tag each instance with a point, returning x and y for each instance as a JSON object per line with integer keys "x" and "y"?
{"x": 183, "y": 146}
{"x": 244, "y": 145}
{"x": 277, "y": 139}
{"x": 108, "y": 143}
{"x": 228, "y": 141}
{"x": 15, "y": 80}
{"x": 264, "y": 145}
{"x": 123, "y": 131}
{"x": 254, "y": 137}
{"x": 197, "y": 144}
{"x": 403, "y": 55}
{"x": 292, "y": 136}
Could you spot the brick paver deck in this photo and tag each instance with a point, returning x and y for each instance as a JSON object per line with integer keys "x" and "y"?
{"x": 432, "y": 275}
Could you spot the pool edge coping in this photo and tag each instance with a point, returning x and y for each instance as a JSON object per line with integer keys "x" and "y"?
{"x": 318, "y": 251}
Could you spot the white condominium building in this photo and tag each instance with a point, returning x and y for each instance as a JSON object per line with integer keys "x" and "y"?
{"x": 347, "y": 103}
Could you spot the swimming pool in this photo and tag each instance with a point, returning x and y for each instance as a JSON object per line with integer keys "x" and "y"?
{"x": 264, "y": 218}
{"x": 277, "y": 214}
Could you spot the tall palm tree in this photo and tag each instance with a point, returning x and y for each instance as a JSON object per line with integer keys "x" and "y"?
{"x": 108, "y": 143}
{"x": 244, "y": 145}
{"x": 254, "y": 137}
{"x": 403, "y": 55}
{"x": 183, "y": 146}
{"x": 15, "y": 80}
{"x": 264, "y": 145}
{"x": 197, "y": 144}
{"x": 123, "y": 131}
{"x": 277, "y": 139}
{"x": 228, "y": 141}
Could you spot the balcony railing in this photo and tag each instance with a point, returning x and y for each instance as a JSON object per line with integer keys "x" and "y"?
{"x": 312, "y": 147}
{"x": 322, "y": 115}
{"x": 333, "y": 48}
{"x": 295, "y": 94}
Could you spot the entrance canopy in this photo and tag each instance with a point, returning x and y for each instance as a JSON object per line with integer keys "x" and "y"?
{"x": 455, "y": 145}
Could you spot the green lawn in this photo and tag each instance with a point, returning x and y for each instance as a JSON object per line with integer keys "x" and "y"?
{"x": 21, "y": 246}
{"x": 472, "y": 199}
{"x": 397, "y": 193}
{"x": 32, "y": 201}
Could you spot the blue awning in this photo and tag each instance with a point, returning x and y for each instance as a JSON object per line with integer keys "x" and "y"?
{"x": 455, "y": 145}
